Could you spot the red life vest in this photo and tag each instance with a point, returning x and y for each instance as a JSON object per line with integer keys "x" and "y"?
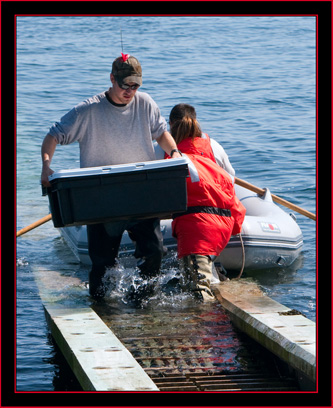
{"x": 214, "y": 212}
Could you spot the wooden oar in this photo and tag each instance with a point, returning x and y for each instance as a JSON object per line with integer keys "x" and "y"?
{"x": 34, "y": 225}
{"x": 275, "y": 198}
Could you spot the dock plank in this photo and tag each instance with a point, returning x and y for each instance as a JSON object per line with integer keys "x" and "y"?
{"x": 292, "y": 337}
{"x": 97, "y": 357}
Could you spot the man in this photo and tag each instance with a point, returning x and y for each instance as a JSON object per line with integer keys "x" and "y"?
{"x": 115, "y": 127}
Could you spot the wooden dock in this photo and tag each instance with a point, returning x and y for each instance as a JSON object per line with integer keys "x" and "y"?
{"x": 102, "y": 361}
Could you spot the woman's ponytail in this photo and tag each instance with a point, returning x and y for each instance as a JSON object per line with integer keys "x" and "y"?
{"x": 183, "y": 123}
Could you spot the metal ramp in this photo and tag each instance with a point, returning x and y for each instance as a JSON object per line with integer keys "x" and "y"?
{"x": 196, "y": 350}
{"x": 224, "y": 382}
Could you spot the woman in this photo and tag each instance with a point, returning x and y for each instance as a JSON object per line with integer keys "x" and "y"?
{"x": 214, "y": 212}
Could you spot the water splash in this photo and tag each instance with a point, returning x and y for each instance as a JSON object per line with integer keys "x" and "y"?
{"x": 21, "y": 262}
{"x": 121, "y": 279}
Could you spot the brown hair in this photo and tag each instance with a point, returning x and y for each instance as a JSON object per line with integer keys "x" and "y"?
{"x": 183, "y": 122}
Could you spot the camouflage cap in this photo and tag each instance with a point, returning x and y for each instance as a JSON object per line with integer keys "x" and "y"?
{"x": 127, "y": 69}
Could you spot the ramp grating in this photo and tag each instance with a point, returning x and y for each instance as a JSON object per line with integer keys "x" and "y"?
{"x": 226, "y": 382}
{"x": 196, "y": 350}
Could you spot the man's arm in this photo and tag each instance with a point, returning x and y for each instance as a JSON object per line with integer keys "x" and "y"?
{"x": 48, "y": 148}
{"x": 167, "y": 143}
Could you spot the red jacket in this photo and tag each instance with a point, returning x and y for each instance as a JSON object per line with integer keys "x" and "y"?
{"x": 214, "y": 212}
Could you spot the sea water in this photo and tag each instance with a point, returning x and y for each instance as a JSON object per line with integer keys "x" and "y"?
{"x": 252, "y": 81}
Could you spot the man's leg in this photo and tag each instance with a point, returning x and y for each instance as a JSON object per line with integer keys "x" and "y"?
{"x": 149, "y": 251}
{"x": 149, "y": 245}
{"x": 103, "y": 244}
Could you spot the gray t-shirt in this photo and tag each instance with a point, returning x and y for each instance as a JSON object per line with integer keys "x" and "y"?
{"x": 110, "y": 134}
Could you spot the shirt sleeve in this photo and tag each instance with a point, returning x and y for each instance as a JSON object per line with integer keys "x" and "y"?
{"x": 221, "y": 157}
{"x": 66, "y": 131}
{"x": 158, "y": 124}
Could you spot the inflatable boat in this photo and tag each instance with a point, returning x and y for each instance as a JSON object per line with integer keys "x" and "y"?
{"x": 270, "y": 237}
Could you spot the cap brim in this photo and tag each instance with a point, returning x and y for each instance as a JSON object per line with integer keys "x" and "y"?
{"x": 134, "y": 78}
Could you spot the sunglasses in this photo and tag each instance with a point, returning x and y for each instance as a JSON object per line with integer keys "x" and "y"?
{"x": 125, "y": 86}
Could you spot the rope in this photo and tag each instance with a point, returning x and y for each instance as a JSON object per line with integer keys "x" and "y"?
{"x": 243, "y": 257}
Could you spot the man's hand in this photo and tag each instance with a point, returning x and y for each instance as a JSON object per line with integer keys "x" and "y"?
{"x": 46, "y": 172}
{"x": 48, "y": 149}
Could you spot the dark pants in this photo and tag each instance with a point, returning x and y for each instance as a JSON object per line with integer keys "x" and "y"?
{"x": 104, "y": 241}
